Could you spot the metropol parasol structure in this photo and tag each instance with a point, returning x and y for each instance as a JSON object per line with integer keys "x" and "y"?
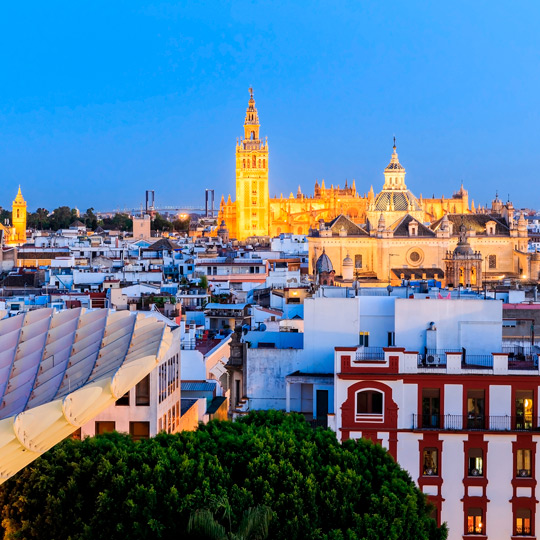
{"x": 59, "y": 369}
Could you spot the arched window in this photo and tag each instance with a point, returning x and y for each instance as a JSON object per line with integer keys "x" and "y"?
{"x": 252, "y": 135}
{"x": 254, "y": 162}
{"x": 369, "y": 402}
{"x": 259, "y": 163}
{"x": 264, "y": 163}
{"x": 244, "y": 163}
{"x": 18, "y": 215}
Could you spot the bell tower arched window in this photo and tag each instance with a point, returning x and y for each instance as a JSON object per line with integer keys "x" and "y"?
{"x": 254, "y": 162}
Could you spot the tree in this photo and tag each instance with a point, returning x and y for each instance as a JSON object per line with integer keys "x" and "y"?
{"x": 120, "y": 222}
{"x": 62, "y": 217}
{"x": 110, "y": 487}
{"x": 159, "y": 223}
{"x": 90, "y": 219}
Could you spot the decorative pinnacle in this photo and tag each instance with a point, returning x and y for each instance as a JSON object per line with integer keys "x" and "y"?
{"x": 394, "y": 142}
{"x": 251, "y": 91}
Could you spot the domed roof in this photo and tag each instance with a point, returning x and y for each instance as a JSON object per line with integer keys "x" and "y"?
{"x": 396, "y": 200}
{"x": 324, "y": 264}
{"x": 347, "y": 261}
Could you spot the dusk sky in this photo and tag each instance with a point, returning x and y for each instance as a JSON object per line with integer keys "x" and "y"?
{"x": 100, "y": 100}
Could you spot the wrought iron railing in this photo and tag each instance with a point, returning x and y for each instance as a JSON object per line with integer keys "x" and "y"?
{"x": 435, "y": 357}
{"x": 364, "y": 354}
{"x": 458, "y": 422}
{"x": 475, "y": 361}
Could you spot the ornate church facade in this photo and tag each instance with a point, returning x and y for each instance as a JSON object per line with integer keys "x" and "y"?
{"x": 254, "y": 213}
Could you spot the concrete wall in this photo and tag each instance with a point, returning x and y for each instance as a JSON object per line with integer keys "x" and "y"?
{"x": 473, "y": 324}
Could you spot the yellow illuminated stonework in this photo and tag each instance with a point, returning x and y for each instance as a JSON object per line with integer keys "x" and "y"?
{"x": 17, "y": 232}
{"x": 254, "y": 213}
{"x": 251, "y": 179}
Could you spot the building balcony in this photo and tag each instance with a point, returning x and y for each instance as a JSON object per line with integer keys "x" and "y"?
{"x": 470, "y": 422}
{"x": 369, "y": 354}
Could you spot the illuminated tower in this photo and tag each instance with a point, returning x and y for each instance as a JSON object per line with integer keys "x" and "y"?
{"x": 252, "y": 207}
{"x": 18, "y": 219}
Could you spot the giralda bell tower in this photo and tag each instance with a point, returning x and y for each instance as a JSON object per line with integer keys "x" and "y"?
{"x": 252, "y": 204}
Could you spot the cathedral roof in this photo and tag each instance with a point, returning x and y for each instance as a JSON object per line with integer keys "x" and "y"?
{"x": 390, "y": 200}
{"x": 401, "y": 227}
{"x": 344, "y": 222}
{"x": 474, "y": 222}
{"x": 324, "y": 264}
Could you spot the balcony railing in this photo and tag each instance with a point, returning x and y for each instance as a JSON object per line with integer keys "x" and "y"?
{"x": 435, "y": 357}
{"x": 521, "y": 358}
{"x": 477, "y": 361}
{"x": 366, "y": 354}
{"x": 458, "y": 422}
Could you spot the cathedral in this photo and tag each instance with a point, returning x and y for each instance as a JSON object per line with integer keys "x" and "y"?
{"x": 254, "y": 213}
{"x": 386, "y": 237}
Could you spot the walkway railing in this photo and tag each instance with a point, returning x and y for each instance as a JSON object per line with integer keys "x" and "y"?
{"x": 458, "y": 422}
{"x": 364, "y": 354}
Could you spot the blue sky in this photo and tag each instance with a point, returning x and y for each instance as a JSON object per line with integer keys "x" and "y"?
{"x": 101, "y": 100}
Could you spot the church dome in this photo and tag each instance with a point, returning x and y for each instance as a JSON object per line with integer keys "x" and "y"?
{"x": 347, "y": 261}
{"x": 400, "y": 201}
{"x": 324, "y": 264}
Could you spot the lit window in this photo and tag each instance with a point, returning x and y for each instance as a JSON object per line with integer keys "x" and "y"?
{"x": 524, "y": 409}
{"x": 523, "y": 462}
{"x": 430, "y": 462}
{"x": 523, "y": 522}
{"x": 476, "y": 462}
{"x": 475, "y": 524}
{"x": 369, "y": 402}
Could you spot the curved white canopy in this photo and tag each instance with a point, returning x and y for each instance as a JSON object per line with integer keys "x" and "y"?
{"x": 58, "y": 370}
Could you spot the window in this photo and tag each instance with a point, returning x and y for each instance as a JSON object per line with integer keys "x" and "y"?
{"x": 476, "y": 462}
{"x": 391, "y": 339}
{"x": 124, "y": 400}
{"x": 431, "y": 402}
{"x": 244, "y": 164}
{"x": 523, "y": 522}
{"x": 524, "y": 409}
{"x": 523, "y": 462}
{"x": 264, "y": 163}
{"x": 364, "y": 339}
{"x": 475, "y": 409}
{"x": 414, "y": 256}
{"x": 142, "y": 392}
{"x": 358, "y": 261}
{"x": 369, "y": 402}
{"x": 474, "y": 521}
{"x": 492, "y": 262}
{"x": 430, "y": 462}
{"x": 104, "y": 427}
{"x": 254, "y": 162}
{"x": 139, "y": 430}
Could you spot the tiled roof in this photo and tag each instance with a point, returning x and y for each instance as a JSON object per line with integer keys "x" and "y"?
{"x": 475, "y": 222}
{"x": 401, "y": 227}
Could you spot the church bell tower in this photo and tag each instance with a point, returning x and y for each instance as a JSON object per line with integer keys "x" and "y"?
{"x": 252, "y": 200}
{"x": 18, "y": 219}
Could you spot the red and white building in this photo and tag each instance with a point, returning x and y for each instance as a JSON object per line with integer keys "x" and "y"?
{"x": 465, "y": 426}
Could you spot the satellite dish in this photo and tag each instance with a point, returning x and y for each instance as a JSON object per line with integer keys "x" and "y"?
{"x": 262, "y": 327}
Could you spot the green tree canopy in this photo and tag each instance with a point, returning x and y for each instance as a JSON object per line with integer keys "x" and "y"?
{"x": 110, "y": 487}
{"x": 120, "y": 222}
{"x": 159, "y": 223}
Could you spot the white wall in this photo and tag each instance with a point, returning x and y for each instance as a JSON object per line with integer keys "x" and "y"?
{"x": 328, "y": 323}
{"x": 473, "y": 324}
